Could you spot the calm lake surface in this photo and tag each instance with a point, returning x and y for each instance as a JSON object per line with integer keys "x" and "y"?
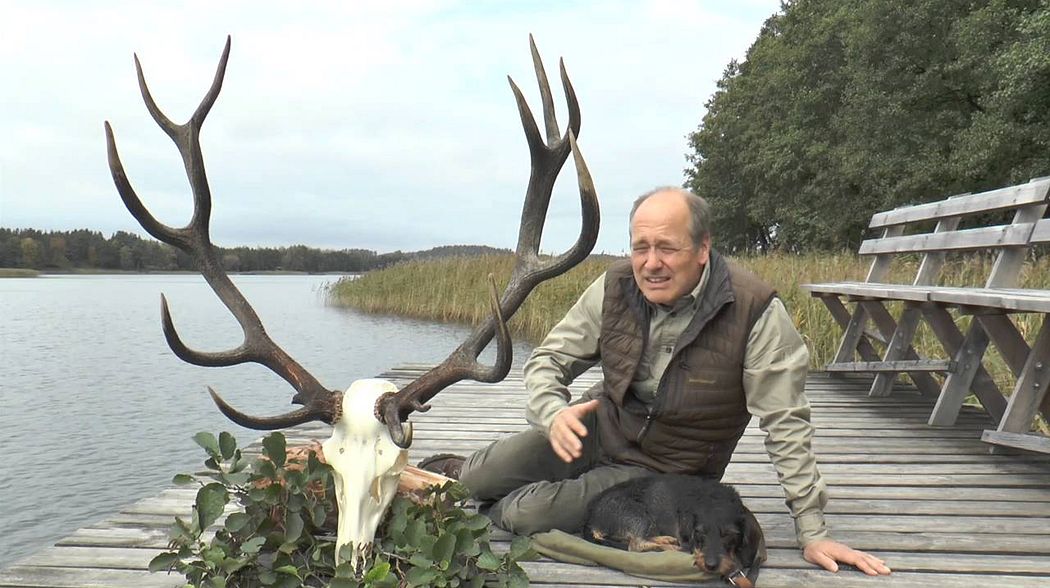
{"x": 96, "y": 412}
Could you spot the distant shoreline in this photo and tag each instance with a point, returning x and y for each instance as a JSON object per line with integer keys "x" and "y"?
{"x": 11, "y": 272}
{"x": 8, "y": 272}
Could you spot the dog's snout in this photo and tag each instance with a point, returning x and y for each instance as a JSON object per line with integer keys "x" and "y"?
{"x": 713, "y": 553}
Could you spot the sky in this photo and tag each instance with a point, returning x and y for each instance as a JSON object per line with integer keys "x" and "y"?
{"x": 382, "y": 125}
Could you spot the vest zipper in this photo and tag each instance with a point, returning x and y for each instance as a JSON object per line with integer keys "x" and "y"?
{"x": 645, "y": 427}
{"x": 660, "y": 393}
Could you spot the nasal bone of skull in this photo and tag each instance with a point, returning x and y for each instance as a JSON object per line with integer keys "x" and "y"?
{"x": 367, "y": 466}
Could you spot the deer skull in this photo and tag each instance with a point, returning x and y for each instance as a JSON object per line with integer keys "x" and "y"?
{"x": 367, "y": 466}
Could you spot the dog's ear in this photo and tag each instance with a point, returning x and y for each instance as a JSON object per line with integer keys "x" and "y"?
{"x": 690, "y": 530}
{"x": 753, "y": 541}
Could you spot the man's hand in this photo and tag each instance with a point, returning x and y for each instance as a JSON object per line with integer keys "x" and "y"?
{"x": 567, "y": 429}
{"x": 826, "y": 553}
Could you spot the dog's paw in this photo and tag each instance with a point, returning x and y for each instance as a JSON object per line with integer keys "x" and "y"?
{"x": 667, "y": 542}
{"x": 657, "y": 543}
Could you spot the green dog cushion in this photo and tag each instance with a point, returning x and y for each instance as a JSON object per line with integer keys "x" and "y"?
{"x": 669, "y": 566}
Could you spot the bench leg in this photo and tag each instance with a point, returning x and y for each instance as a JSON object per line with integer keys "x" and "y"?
{"x": 1007, "y": 339}
{"x": 887, "y": 326}
{"x": 853, "y": 339}
{"x": 860, "y": 335}
{"x": 957, "y": 385}
{"x": 1029, "y": 395}
{"x": 898, "y": 347}
{"x": 983, "y": 385}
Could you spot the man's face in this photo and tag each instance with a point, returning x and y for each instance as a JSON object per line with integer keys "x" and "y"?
{"x": 666, "y": 264}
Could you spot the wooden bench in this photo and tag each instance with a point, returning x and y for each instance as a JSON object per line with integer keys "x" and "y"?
{"x": 961, "y": 224}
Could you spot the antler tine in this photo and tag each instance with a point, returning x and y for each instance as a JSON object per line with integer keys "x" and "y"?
{"x": 203, "y": 108}
{"x": 589, "y": 226}
{"x": 194, "y": 239}
{"x": 570, "y": 99}
{"x": 316, "y": 412}
{"x": 529, "y": 270}
{"x": 549, "y": 118}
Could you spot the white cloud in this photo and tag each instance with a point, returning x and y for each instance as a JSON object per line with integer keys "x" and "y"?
{"x": 385, "y": 125}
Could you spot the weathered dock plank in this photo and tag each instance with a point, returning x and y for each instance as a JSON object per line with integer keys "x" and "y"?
{"x": 932, "y": 501}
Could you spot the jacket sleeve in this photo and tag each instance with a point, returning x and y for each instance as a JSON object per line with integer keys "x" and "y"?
{"x": 775, "y": 367}
{"x": 570, "y": 349}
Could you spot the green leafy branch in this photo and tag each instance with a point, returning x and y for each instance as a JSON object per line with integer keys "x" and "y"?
{"x": 283, "y": 533}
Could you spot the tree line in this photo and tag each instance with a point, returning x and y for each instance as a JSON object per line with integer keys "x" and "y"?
{"x": 86, "y": 249}
{"x": 841, "y": 109}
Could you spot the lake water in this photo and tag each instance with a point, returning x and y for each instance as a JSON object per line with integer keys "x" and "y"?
{"x": 96, "y": 412}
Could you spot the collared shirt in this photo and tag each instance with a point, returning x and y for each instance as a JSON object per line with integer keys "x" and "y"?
{"x": 665, "y": 326}
{"x": 775, "y": 366}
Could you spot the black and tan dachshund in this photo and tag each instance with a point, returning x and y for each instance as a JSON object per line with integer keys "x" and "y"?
{"x": 667, "y": 512}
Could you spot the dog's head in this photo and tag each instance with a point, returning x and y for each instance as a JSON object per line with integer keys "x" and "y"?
{"x": 723, "y": 544}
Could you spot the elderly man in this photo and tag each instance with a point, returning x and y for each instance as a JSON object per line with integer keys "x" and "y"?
{"x": 691, "y": 347}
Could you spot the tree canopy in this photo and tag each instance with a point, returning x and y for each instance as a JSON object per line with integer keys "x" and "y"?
{"x": 842, "y": 109}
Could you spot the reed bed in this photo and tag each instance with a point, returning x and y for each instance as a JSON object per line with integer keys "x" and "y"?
{"x": 455, "y": 290}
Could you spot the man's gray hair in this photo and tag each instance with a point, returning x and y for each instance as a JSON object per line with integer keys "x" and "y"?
{"x": 699, "y": 212}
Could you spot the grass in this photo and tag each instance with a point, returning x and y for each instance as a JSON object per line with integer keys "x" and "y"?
{"x": 455, "y": 290}
{"x": 17, "y": 272}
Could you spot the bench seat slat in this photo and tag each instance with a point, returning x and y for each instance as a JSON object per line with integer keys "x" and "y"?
{"x": 903, "y": 365}
{"x": 871, "y": 290}
{"x": 1000, "y": 199}
{"x": 1009, "y": 299}
{"x": 1006, "y": 299}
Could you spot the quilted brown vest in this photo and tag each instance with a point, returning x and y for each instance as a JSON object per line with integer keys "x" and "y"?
{"x": 699, "y": 412}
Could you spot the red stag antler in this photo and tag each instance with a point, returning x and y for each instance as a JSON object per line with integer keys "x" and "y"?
{"x": 529, "y": 269}
{"x": 320, "y": 403}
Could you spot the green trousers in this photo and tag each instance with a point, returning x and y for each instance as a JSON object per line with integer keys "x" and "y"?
{"x": 533, "y": 489}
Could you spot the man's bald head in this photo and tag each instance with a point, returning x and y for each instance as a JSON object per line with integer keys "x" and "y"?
{"x": 699, "y": 211}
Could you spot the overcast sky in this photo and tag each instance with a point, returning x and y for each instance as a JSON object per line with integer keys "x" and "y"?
{"x": 354, "y": 124}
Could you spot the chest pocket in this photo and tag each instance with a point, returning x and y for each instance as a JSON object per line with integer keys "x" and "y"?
{"x": 711, "y": 392}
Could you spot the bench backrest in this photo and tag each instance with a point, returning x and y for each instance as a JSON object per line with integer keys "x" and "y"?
{"x": 1028, "y": 202}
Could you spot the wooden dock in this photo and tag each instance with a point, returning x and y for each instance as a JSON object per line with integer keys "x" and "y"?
{"x": 933, "y": 502}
